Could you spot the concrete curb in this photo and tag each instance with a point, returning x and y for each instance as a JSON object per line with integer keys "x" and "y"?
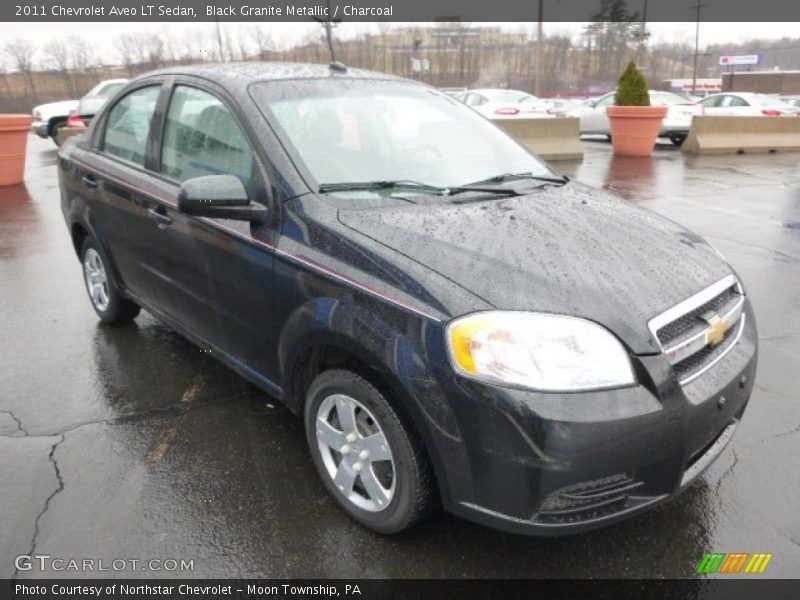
{"x": 551, "y": 139}
{"x": 743, "y": 135}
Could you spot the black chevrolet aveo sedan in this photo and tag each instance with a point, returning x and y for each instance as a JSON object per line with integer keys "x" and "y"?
{"x": 457, "y": 324}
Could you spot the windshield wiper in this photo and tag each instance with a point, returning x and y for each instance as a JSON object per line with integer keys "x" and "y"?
{"x": 503, "y": 177}
{"x": 357, "y": 186}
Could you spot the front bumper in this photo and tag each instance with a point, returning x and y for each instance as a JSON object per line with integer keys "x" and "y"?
{"x": 549, "y": 464}
{"x": 40, "y": 128}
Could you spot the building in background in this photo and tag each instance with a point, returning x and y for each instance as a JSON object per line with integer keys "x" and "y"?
{"x": 765, "y": 82}
{"x": 684, "y": 86}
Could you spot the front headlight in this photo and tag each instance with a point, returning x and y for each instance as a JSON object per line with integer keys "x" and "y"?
{"x": 538, "y": 351}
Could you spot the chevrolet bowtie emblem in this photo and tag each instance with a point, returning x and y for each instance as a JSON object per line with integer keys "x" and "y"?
{"x": 717, "y": 328}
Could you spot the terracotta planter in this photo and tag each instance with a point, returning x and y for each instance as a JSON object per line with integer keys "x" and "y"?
{"x": 634, "y": 129}
{"x": 14, "y": 131}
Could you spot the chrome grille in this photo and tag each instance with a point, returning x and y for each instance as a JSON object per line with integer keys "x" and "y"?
{"x": 699, "y": 331}
{"x": 680, "y": 327}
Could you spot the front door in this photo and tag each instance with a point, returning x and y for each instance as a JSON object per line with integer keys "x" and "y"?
{"x": 220, "y": 271}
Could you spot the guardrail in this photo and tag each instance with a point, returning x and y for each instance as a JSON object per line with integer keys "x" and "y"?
{"x": 550, "y": 138}
{"x": 742, "y": 135}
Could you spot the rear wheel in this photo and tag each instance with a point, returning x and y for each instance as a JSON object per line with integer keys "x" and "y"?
{"x": 370, "y": 463}
{"x": 101, "y": 286}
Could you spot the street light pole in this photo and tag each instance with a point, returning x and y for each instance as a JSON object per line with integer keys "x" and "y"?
{"x": 539, "y": 43}
{"x": 643, "y": 35}
{"x": 697, "y": 6}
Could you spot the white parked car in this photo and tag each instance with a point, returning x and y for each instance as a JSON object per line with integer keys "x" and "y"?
{"x": 746, "y": 104}
{"x": 504, "y": 104}
{"x": 49, "y": 118}
{"x": 676, "y": 124}
{"x": 99, "y": 95}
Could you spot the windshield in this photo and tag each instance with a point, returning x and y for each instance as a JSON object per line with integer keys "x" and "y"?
{"x": 106, "y": 89}
{"x": 347, "y": 130}
{"x": 667, "y": 98}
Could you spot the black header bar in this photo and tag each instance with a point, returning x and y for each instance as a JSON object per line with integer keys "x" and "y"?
{"x": 393, "y": 10}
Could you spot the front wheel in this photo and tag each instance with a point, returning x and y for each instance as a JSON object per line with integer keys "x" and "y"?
{"x": 101, "y": 286}
{"x": 370, "y": 463}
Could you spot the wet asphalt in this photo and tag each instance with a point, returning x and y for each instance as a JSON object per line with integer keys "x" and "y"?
{"x": 130, "y": 443}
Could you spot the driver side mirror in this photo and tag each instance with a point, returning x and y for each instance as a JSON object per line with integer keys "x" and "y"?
{"x": 219, "y": 197}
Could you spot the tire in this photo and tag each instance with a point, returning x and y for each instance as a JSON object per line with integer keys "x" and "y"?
{"x": 406, "y": 490}
{"x": 677, "y": 140}
{"x": 108, "y": 303}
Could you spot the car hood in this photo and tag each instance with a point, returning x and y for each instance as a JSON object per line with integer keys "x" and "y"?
{"x": 571, "y": 250}
{"x": 56, "y": 109}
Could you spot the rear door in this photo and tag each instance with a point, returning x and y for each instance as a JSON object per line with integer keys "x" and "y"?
{"x": 738, "y": 106}
{"x": 123, "y": 217}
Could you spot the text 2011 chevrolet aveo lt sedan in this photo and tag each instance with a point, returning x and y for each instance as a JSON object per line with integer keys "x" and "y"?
{"x": 457, "y": 323}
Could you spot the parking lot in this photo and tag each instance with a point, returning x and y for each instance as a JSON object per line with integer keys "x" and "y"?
{"x": 130, "y": 443}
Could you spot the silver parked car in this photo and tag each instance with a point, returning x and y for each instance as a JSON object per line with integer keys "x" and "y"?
{"x": 676, "y": 124}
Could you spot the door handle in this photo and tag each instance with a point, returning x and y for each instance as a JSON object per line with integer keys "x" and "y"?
{"x": 159, "y": 216}
{"x": 89, "y": 181}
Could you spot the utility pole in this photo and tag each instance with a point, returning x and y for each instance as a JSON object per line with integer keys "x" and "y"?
{"x": 697, "y": 6}
{"x": 539, "y": 44}
{"x": 643, "y": 35}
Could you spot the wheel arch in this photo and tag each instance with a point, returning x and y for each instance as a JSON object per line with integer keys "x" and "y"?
{"x": 328, "y": 333}
{"x": 78, "y": 233}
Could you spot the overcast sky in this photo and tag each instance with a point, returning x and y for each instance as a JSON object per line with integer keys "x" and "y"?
{"x": 284, "y": 33}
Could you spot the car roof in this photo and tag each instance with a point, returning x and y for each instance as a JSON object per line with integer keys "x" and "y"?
{"x": 243, "y": 73}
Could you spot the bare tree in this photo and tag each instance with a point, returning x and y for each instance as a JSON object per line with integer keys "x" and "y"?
{"x": 56, "y": 56}
{"x": 21, "y": 52}
{"x": 127, "y": 50}
{"x": 263, "y": 41}
{"x": 82, "y": 59}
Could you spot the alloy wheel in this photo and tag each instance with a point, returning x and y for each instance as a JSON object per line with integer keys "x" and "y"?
{"x": 96, "y": 279}
{"x": 355, "y": 452}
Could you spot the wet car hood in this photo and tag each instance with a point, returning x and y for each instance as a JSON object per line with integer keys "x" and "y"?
{"x": 572, "y": 250}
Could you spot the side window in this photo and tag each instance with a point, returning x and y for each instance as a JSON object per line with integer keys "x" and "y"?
{"x": 202, "y": 137}
{"x": 711, "y": 101}
{"x": 128, "y": 124}
{"x": 737, "y": 101}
